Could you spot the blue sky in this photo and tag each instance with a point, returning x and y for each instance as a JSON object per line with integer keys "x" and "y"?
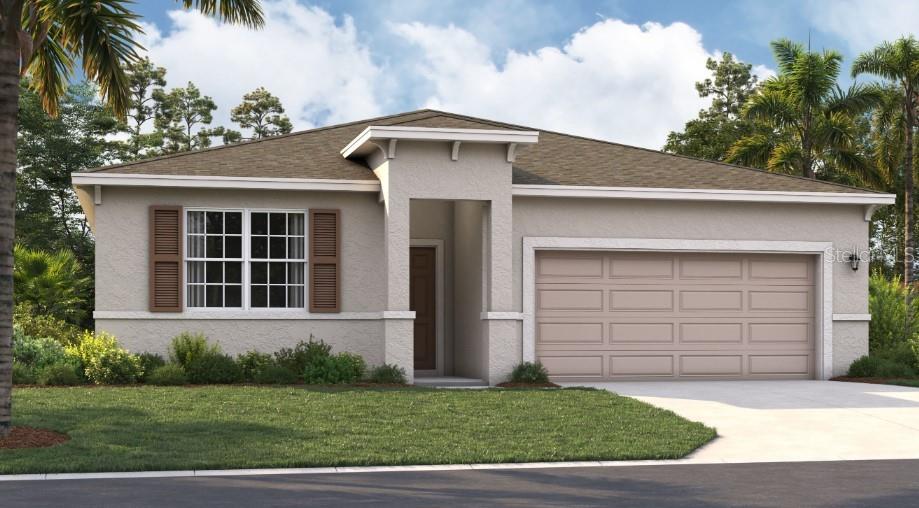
{"x": 613, "y": 69}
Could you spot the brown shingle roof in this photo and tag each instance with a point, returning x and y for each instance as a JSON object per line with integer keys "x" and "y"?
{"x": 558, "y": 159}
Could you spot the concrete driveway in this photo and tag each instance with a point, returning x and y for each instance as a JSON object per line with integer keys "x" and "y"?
{"x": 765, "y": 421}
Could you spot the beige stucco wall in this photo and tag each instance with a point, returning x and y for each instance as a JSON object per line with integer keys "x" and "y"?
{"x": 472, "y": 344}
{"x": 842, "y": 225}
{"x": 122, "y": 231}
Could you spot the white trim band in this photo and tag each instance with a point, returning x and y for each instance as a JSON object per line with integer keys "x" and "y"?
{"x": 254, "y": 315}
{"x": 508, "y": 316}
{"x": 578, "y": 191}
{"x": 851, "y": 317}
{"x": 224, "y": 182}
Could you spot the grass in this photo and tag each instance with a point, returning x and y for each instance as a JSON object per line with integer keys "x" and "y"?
{"x": 219, "y": 427}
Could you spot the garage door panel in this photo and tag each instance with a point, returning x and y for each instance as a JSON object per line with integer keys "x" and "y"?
{"x": 676, "y": 315}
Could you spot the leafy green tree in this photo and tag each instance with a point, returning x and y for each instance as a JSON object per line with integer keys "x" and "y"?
{"x": 263, "y": 113}
{"x": 44, "y": 38}
{"x": 52, "y": 283}
{"x": 898, "y": 62}
{"x": 48, "y": 214}
{"x": 181, "y": 115}
{"x": 711, "y": 135}
{"x": 811, "y": 122}
{"x": 144, "y": 80}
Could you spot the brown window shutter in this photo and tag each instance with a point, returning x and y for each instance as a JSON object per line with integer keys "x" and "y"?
{"x": 325, "y": 266}
{"x": 165, "y": 258}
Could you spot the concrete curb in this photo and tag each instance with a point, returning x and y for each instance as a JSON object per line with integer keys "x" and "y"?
{"x": 211, "y": 473}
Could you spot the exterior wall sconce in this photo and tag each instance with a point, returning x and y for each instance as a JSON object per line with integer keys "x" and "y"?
{"x": 853, "y": 260}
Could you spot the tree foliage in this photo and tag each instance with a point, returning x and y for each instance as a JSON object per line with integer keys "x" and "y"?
{"x": 52, "y": 283}
{"x": 263, "y": 113}
{"x": 146, "y": 82}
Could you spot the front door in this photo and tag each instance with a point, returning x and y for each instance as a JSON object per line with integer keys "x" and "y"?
{"x": 421, "y": 296}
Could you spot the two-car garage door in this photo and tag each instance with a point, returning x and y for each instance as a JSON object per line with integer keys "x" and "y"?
{"x": 615, "y": 315}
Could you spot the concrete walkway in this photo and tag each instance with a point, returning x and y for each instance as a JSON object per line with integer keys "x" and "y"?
{"x": 765, "y": 421}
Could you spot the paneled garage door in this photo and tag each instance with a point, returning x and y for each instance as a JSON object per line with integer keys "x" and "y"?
{"x": 614, "y": 315}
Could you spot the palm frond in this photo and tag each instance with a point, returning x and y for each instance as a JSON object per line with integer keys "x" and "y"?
{"x": 857, "y": 100}
{"x": 787, "y": 158}
{"x": 241, "y": 12}
{"x": 50, "y": 67}
{"x": 752, "y": 150}
{"x": 771, "y": 106}
{"x": 786, "y": 53}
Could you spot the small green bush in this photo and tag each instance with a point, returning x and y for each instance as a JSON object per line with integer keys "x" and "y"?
{"x": 335, "y": 369}
{"x": 34, "y": 324}
{"x": 103, "y": 361}
{"x": 36, "y": 352}
{"x": 170, "y": 374}
{"x": 58, "y": 374}
{"x": 187, "y": 347}
{"x": 274, "y": 374}
{"x": 296, "y": 359}
{"x": 148, "y": 363}
{"x": 529, "y": 372}
{"x": 387, "y": 374}
{"x": 901, "y": 353}
{"x": 253, "y": 362}
{"x": 887, "y": 305}
{"x": 213, "y": 368}
{"x": 24, "y": 374}
{"x": 878, "y": 366}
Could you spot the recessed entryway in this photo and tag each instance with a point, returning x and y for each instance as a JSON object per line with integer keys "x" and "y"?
{"x": 422, "y": 298}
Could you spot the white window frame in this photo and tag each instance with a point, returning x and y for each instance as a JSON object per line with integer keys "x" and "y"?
{"x": 247, "y": 261}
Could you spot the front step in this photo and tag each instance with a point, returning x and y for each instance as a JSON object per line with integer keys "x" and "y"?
{"x": 449, "y": 382}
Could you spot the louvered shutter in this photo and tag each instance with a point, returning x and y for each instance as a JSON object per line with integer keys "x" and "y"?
{"x": 165, "y": 258}
{"x": 325, "y": 266}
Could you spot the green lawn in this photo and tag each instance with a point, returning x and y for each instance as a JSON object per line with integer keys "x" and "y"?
{"x": 159, "y": 428}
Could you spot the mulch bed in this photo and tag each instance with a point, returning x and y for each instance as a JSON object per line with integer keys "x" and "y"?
{"x": 29, "y": 437}
{"x": 528, "y": 385}
{"x": 871, "y": 380}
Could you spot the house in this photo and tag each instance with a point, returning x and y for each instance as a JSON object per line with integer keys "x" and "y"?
{"x": 452, "y": 245}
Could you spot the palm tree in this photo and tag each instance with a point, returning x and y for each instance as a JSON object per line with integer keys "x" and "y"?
{"x": 43, "y": 38}
{"x": 807, "y": 123}
{"x": 898, "y": 62}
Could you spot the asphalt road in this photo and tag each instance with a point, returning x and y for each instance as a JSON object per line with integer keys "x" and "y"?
{"x": 837, "y": 484}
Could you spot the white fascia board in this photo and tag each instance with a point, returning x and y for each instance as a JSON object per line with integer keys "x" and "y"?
{"x": 576, "y": 191}
{"x": 360, "y": 143}
{"x": 224, "y": 182}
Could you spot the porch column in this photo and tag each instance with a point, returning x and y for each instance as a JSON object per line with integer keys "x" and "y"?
{"x": 398, "y": 321}
{"x": 501, "y": 323}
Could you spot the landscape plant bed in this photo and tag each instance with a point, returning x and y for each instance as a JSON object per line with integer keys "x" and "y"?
{"x": 914, "y": 382}
{"x": 229, "y": 427}
{"x": 511, "y": 384}
{"x": 28, "y": 437}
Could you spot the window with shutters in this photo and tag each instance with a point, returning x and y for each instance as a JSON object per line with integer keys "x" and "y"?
{"x": 241, "y": 259}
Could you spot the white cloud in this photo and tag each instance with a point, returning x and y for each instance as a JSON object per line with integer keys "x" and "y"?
{"x": 317, "y": 67}
{"x": 863, "y": 24}
{"x": 612, "y": 80}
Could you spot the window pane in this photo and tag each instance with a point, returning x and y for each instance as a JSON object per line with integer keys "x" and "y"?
{"x": 260, "y": 247}
{"x": 278, "y": 223}
{"x": 259, "y": 223}
{"x": 234, "y": 223}
{"x": 277, "y": 296}
{"x": 295, "y": 247}
{"x": 233, "y": 296}
{"x": 196, "y": 223}
{"x": 277, "y": 273}
{"x": 234, "y": 247}
{"x": 259, "y": 296}
{"x": 214, "y": 296}
{"x": 295, "y": 296}
{"x": 214, "y": 223}
{"x": 295, "y": 224}
{"x": 195, "y": 246}
{"x": 215, "y": 246}
{"x": 278, "y": 248}
{"x": 196, "y": 271}
{"x": 259, "y": 273}
{"x": 233, "y": 272}
{"x": 196, "y": 296}
{"x": 295, "y": 273}
{"x": 214, "y": 272}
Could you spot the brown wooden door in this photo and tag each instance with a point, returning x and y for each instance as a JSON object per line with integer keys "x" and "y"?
{"x": 421, "y": 296}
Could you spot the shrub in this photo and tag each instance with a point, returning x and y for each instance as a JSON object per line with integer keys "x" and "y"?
{"x": 104, "y": 361}
{"x": 273, "y": 374}
{"x": 296, "y": 359}
{"x": 53, "y": 283}
{"x": 335, "y": 369}
{"x": 387, "y": 374}
{"x": 170, "y": 374}
{"x": 887, "y": 305}
{"x": 213, "y": 368}
{"x": 900, "y": 352}
{"x": 27, "y": 319}
{"x": 187, "y": 347}
{"x": 58, "y": 374}
{"x": 878, "y": 366}
{"x": 36, "y": 352}
{"x": 529, "y": 372}
{"x": 148, "y": 363}
{"x": 252, "y": 363}
{"x": 23, "y": 374}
